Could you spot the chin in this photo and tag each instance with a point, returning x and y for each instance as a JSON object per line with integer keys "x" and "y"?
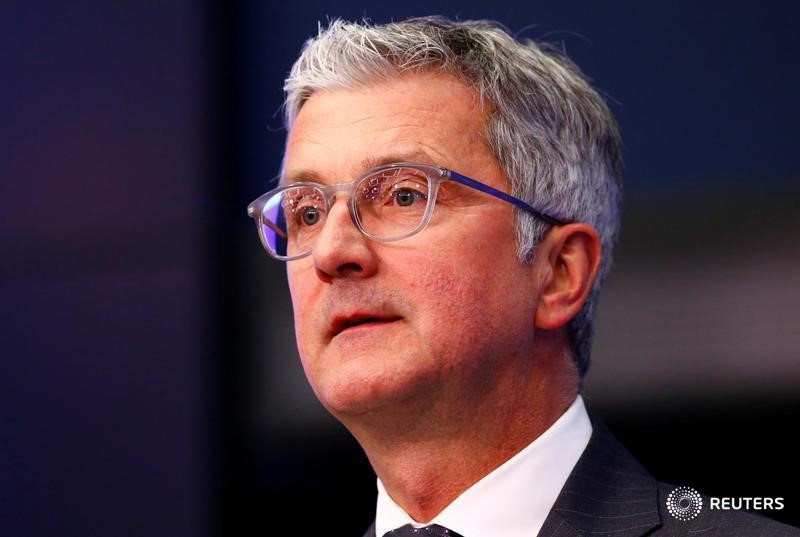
{"x": 356, "y": 394}
{"x": 351, "y": 398}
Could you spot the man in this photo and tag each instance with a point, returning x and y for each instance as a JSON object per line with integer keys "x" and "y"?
{"x": 449, "y": 203}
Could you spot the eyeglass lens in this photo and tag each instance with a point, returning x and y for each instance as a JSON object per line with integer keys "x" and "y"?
{"x": 389, "y": 204}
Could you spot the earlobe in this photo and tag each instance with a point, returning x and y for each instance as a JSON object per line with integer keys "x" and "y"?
{"x": 572, "y": 256}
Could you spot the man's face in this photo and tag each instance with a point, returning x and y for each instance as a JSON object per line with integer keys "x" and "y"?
{"x": 429, "y": 319}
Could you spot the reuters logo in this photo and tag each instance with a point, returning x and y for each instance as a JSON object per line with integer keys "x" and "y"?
{"x": 684, "y": 503}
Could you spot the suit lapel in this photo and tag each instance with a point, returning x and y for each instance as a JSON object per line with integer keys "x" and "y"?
{"x": 607, "y": 493}
{"x": 555, "y": 526}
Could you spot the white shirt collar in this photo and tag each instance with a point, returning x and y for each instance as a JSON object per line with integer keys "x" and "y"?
{"x": 515, "y": 498}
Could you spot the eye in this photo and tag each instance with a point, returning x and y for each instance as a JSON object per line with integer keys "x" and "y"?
{"x": 395, "y": 188}
{"x": 406, "y": 196}
{"x": 303, "y": 207}
{"x": 309, "y": 216}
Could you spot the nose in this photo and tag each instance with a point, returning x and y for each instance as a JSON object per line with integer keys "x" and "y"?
{"x": 341, "y": 250}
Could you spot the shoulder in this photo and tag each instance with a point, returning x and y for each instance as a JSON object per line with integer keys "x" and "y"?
{"x": 610, "y": 493}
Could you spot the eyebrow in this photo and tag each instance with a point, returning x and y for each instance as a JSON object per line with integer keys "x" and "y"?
{"x": 418, "y": 156}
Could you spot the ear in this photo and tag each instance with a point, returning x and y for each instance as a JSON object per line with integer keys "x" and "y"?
{"x": 569, "y": 259}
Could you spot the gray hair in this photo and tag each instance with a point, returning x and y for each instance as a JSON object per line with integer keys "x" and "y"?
{"x": 551, "y": 133}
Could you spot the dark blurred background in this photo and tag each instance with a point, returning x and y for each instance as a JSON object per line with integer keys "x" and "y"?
{"x": 150, "y": 384}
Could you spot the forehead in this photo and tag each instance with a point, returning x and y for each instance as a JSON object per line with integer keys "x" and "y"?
{"x": 422, "y": 117}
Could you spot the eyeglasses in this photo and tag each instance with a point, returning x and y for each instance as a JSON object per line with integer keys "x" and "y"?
{"x": 388, "y": 203}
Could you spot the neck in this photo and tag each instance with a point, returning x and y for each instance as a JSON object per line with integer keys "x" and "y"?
{"x": 427, "y": 454}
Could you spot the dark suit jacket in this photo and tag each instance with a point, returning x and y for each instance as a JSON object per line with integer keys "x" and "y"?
{"x": 609, "y": 494}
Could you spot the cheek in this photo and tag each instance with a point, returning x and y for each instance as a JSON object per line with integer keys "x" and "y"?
{"x": 466, "y": 297}
{"x": 302, "y": 294}
{"x": 451, "y": 296}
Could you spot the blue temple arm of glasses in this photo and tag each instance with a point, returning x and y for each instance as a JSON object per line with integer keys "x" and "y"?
{"x": 463, "y": 179}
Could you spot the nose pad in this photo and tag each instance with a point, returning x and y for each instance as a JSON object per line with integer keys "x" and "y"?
{"x": 339, "y": 216}
{"x": 341, "y": 249}
{"x": 339, "y": 198}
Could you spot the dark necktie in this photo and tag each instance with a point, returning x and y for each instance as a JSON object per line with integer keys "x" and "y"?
{"x": 434, "y": 530}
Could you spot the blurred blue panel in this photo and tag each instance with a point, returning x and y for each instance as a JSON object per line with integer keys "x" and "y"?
{"x": 103, "y": 426}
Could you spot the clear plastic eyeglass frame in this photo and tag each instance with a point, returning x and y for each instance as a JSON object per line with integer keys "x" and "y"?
{"x": 436, "y": 175}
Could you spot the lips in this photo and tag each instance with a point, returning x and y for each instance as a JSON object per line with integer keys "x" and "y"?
{"x": 341, "y": 323}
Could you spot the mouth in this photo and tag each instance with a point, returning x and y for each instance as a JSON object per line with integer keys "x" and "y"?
{"x": 350, "y": 322}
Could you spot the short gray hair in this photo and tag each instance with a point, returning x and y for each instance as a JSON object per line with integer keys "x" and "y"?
{"x": 551, "y": 133}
